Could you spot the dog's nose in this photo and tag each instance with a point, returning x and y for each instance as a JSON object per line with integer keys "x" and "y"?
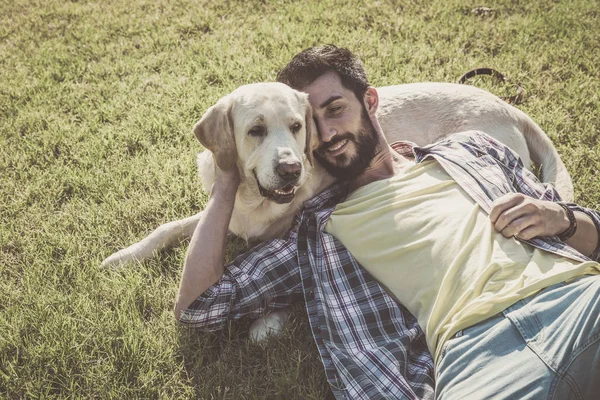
{"x": 289, "y": 170}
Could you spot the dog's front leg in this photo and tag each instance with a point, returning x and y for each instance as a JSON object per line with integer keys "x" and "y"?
{"x": 164, "y": 236}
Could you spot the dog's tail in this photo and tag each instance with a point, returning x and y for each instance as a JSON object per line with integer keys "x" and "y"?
{"x": 546, "y": 158}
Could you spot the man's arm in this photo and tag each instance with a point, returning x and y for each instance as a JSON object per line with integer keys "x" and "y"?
{"x": 264, "y": 278}
{"x": 516, "y": 214}
{"x": 538, "y": 214}
{"x": 205, "y": 259}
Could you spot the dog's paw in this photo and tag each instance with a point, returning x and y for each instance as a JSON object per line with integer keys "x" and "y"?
{"x": 117, "y": 260}
{"x": 268, "y": 325}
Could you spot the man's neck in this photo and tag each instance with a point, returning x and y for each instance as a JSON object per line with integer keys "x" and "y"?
{"x": 384, "y": 165}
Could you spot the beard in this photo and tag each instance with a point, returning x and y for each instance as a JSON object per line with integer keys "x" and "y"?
{"x": 343, "y": 166}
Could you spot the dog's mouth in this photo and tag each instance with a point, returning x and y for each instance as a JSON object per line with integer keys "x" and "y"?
{"x": 282, "y": 195}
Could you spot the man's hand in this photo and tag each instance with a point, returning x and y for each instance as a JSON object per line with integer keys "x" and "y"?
{"x": 226, "y": 182}
{"x": 524, "y": 217}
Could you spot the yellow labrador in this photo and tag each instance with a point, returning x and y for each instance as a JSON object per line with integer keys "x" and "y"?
{"x": 265, "y": 130}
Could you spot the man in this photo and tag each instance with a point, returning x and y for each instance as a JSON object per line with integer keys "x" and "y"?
{"x": 507, "y": 307}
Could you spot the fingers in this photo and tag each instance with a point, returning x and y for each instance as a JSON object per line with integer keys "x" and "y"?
{"x": 512, "y": 227}
{"x": 516, "y": 215}
{"x": 525, "y": 227}
{"x": 500, "y": 205}
{"x": 524, "y": 217}
{"x": 506, "y": 210}
{"x": 529, "y": 233}
{"x": 518, "y": 218}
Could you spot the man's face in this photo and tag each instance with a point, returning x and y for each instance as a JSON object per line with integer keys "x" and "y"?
{"x": 347, "y": 138}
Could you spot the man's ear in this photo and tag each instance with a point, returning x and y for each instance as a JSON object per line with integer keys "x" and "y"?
{"x": 371, "y": 100}
{"x": 215, "y": 132}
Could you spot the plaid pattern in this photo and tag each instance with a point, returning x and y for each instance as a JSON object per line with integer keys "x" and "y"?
{"x": 371, "y": 347}
{"x": 487, "y": 170}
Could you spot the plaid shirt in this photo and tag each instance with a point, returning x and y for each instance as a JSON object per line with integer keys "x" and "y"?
{"x": 370, "y": 345}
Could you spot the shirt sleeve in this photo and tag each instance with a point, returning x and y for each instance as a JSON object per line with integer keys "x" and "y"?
{"x": 528, "y": 184}
{"x": 264, "y": 278}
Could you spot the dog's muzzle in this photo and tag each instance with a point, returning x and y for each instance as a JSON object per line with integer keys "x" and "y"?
{"x": 282, "y": 195}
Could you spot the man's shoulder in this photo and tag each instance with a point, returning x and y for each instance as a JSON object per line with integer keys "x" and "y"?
{"x": 328, "y": 198}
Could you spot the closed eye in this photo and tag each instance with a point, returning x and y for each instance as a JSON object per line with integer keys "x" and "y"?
{"x": 258, "y": 131}
{"x": 335, "y": 110}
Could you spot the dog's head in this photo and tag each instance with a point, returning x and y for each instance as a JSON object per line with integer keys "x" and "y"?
{"x": 265, "y": 130}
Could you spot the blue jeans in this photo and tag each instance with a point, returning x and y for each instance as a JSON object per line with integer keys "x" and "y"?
{"x": 546, "y": 346}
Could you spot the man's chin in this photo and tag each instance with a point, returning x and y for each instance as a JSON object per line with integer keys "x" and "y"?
{"x": 342, "y": 160}
{"x": 346, "y": 169}
{"x": 355, "y": 157}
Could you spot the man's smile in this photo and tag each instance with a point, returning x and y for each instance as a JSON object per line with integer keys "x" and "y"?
{"x": 337, "y": 148}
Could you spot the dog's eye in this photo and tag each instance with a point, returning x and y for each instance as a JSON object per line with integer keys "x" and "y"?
{"x": 296, "y": 127}
{"x": 257, "y": 131}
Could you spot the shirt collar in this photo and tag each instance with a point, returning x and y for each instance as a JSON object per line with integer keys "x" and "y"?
{"x": 338, "y": 191}
{"x": 332, "y": 195}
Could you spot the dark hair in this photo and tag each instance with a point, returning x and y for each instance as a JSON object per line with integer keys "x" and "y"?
{"x": 310, "y": 64}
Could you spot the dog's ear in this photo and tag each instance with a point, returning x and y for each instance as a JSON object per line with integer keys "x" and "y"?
{"x": 215, "y": 132}
{"x": 311, "y": 131}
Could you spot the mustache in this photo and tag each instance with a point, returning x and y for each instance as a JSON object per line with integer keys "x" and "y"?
{"x": 336, "y": 139}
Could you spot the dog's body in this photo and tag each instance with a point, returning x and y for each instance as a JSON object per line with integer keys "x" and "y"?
{"x": 424, "y": 113}
{"x": 268, "y": 157}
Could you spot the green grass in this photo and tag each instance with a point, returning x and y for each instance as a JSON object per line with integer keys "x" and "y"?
{"x": 97, "y": 101}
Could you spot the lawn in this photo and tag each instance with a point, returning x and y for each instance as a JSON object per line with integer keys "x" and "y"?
{"x": 97, "y": 102}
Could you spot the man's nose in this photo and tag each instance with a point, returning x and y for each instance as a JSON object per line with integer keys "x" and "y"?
{"x": 326, "y": 132}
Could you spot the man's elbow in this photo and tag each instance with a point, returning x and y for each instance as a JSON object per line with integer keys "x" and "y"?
{"x": 182, "y": 303}
{"x": 197, "y": 319}
{"x": 179, "y": 312}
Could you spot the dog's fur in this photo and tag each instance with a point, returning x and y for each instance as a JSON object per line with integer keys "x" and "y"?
{"x": 224, "y": 131}
{"x": 422, "y": 113}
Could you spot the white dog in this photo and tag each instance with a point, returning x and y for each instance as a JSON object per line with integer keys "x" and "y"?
{"x": 266, "y": 131}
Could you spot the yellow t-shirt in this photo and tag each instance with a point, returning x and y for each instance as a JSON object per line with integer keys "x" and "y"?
{"x": 436, "y": 251}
